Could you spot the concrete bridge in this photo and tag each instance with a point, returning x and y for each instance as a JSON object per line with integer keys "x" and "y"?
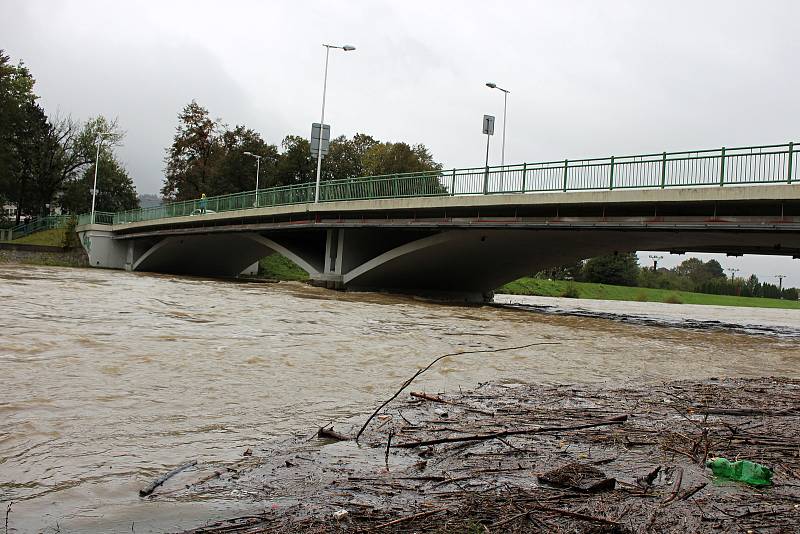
{"x": 465, "y": 232}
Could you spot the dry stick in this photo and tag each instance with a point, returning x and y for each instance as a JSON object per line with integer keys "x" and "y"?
{"x": 420, "y": 371}
{"x": 8, "y": 511}
{"x": 688, "y": 493}
{"x": 411, "y": 517}
{"x": 388, "y": 444}
{"x": 616, "y": 420}
{"x": 676, "y": 486}
{"x": 144, "y": 492}
{"x": 576, "y": 515}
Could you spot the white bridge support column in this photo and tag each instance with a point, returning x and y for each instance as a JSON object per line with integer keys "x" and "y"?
{"x": 103, "y": 250}
{"x": 331, "y": 275}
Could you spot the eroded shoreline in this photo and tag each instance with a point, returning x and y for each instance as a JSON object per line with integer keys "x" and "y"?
{"x": 628, "y": 459}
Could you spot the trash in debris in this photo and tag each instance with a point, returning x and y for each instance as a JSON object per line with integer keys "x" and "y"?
{"x": 741, "y": 471}
{"x": 340, "y": 514}
{"x": 580, "y": 477}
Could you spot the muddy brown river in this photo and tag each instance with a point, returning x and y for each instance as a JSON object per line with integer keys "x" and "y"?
{"x": 108, "y": 379}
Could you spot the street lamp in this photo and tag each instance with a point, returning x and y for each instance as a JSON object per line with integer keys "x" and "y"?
{"x": 492, "y": 85}
{"x": 100, "y": 136}
{"x": 346, "y": 48}
{"x": 780, "y": 278}
{"x": 258, "y": 169}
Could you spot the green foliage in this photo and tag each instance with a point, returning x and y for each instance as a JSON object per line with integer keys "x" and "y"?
{"x": 41, "y": 157}
{"x": 556, "y": 288}
{"x": 115, "y": 189}
{"x": 571, "y": 291}
{"x": 191, "y": 157}
{"x": 617, "y": 269}
{"x": 279, "y": 267}
{"x": 397, "y": 158}
{"x": 207, "y": 157}
{"x": 673, "y": 298}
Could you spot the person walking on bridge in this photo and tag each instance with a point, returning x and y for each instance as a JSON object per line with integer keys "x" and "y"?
{"x": 203, "y": 204}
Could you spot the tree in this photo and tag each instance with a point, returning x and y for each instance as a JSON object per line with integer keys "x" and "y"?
{"x": 115, "y": 189}
{"x": 295, "y": 165}
{"x": 64, "y": 152}
{"x": 397, "y": 158}
{"x": 235, "y": 171}
{"x": 615, "y": 269}
{"x": 346, "y": 158}
{"x": 19, "y": 116}
{"x": 194, "y": 152}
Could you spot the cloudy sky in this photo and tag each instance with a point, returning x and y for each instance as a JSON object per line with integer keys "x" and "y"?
{"x": 587, "y": 78}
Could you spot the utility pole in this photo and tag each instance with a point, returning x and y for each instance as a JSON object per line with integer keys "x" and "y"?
{"x": 655, "y": 261}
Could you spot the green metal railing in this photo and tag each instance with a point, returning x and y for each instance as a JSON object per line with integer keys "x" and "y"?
{"x": 768, "y": 164}
{"x": 100, "y": 217}
{"x": 43, "y": 223}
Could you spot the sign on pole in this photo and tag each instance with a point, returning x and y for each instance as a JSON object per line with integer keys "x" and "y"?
{"x": 318, "y": 138}
{"x": 488, "y": 124}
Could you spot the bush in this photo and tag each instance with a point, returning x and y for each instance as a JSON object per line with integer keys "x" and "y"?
{"x": 614, "y": 269}
{"x": 673, "y": 299}
{"x": 571, "y": 292}
{"x": 641, "y": 296}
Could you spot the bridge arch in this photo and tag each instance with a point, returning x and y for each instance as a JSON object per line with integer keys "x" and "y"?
{"x": 214, "y": 254}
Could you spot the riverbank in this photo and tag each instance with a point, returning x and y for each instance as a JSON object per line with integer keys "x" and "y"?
{"x": 521, "y": 458}
{"x": 585, "y": 290}
{"x": 15, "y": 253}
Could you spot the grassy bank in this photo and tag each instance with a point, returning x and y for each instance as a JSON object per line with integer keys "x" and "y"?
{"x": 585, "y": 290}
{"x": 279, "y": 267}
{"x": 52, "y": 238}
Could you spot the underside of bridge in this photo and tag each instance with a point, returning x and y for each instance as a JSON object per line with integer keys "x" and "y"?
{"x": 462, "y": 263}
{"x": 456, "y": 247}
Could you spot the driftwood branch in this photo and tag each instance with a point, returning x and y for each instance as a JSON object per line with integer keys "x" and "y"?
{"x": 330, "y": 433}
{"x": 144, "y": 492}
{"x": 411, "y": 517}
{"x": 420, "y": 371}
{"x": 616, "y": 420}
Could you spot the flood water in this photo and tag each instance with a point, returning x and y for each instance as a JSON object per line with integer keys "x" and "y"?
{"x": 108, "y": 379}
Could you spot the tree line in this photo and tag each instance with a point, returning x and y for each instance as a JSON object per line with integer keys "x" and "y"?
{"x": 691, "y": 275}
{"x": 207, "y": 156}
{"x": 49, "y": 160}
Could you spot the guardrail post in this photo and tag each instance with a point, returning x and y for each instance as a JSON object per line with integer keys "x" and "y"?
{"x": 611, "y": 177}
{"x": 663, "y": 169}
{"x": 453, "y": 184}
{"x": 566, "y": 167}
{"x": 722, "y": 168}
{"x": 791, "y": 156}
{"x": 524, "y": 175}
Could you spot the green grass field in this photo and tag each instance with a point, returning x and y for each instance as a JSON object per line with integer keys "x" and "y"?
{"x": 53, "y": 238}
{"x": 279, "y": 267}
{"x": 585, "y": 290}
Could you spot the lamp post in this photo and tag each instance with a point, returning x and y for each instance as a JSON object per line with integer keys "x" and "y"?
{"x": 346, "y": 48}
{"x": 780, "y": 278}
{"x": 258, "y": 169}
{"x": 100, "y": 136}
{"x": 506, "y": 92}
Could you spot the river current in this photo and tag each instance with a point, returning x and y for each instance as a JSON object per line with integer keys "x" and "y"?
{"x": 108, "y": 378}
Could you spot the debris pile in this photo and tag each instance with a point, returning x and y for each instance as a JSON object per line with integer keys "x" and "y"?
{"x": 534, "y": 458}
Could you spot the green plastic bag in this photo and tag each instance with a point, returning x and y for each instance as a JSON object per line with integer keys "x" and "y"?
{"x": 741, "y": 471}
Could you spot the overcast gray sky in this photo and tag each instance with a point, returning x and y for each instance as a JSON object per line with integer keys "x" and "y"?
{"x": 587, "y": 78}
